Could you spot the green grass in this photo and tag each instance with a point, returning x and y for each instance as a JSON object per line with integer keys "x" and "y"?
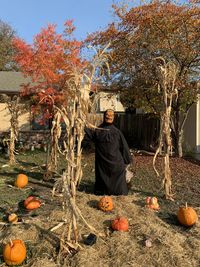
{"x": 32, "y": 163}
{"x": 10, "y": 196}
{"x": 145, "y": 183}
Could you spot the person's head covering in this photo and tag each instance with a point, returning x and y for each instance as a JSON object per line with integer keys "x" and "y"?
{"x": 108, "y": 117}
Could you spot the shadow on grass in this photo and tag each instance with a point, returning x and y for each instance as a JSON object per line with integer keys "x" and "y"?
{"x": 35, "y": 175}
{"x": 93, "y": 204}
{"x": 22, "y": 211}
{"x": 192, "y": 160}
{"x": 168, "y": 217}
{"x": 107, "y": 224}
{"x": 4, "y": 214}
{"x": 171, "y": 219}
{"x": 87, "y": 187}
{"x": 42, "y": 183}
{"x": 10, "y": 175}
{"x": 26, "y": 164}
{"x": 32, "y": 181}
{"x": 49, "y": 236}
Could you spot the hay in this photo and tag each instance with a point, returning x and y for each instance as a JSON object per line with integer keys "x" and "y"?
{"x": 172, "y": 244}
{"x": 169, "y": 246}
{"x": 43, "y": 262}
{"x": 128, "y": 249}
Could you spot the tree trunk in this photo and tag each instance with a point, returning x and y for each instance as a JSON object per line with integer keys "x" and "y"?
{"x": 177, "y": 130}
{"x": 180, "y": 144}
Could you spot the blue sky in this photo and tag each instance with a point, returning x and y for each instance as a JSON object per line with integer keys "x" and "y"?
{"x": 27, "y": 17}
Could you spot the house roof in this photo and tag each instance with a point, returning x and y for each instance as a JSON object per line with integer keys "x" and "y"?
{"x": 11, "y": 81}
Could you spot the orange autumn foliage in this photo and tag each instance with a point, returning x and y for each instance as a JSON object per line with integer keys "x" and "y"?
{"x": 141, "y": 34}
{"x": 49, "y": 62}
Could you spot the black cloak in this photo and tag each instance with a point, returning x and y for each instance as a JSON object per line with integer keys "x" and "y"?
{"x": 112, "y": 154}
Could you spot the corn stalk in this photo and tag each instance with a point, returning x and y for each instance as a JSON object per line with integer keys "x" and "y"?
{"x": 53, "y": 147}
{"x": 74, "y": 116}
{"x": 14, "y": 108}
{"x": 167, "y": 77}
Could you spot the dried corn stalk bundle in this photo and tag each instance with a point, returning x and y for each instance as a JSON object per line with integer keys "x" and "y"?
{"x": 53, "y": 154}
{"x": 167, "y": 85}
{"x": 74, "y": 116}
{"x": 15, "y": 109}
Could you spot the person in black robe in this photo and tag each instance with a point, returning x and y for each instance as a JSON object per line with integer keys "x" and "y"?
{"x": 112, "y": 155}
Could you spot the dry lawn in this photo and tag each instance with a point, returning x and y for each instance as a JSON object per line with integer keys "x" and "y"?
{"x": 172, "y": 244}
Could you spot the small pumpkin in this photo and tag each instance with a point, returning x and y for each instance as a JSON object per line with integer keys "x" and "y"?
{"x": 151, "y": 200}
{"x": 105, "y": 203}
{"x": 14, "y": 252}
{"x": 21, "y": 181}
{"x": 32, "y": 203}
{"x": 12, "y": 218}
{"x": 187, "y": 216}
{"x": 152, "y": 203}
{"x": 148, "y": 199}
{"x": 120, "y": 224}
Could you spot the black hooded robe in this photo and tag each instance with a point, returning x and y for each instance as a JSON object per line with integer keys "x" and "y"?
{"x": 112, "y": 154}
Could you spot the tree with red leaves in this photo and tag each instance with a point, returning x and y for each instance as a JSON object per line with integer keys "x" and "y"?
{"x": 61, "y": 83}
{"x": 50, "y": 63}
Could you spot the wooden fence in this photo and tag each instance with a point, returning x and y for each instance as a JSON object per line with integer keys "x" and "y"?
{"x": 140, "y": 130}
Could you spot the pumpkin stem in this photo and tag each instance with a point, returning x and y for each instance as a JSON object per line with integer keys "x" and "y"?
{"x": 186, "y": 205}
{"x": 11, "y": 243}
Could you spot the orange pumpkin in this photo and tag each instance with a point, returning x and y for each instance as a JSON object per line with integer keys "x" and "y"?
{"x": 12, "y": 218}
{"x": 21, "y": 181}
{"x": 27, "y": 200}
{"x": 14, "y": 252}
{"x": 32, "y": 203}
{"x": 187, "y": 216}
{"x": 120, "y": 224}
{"x": 151, "y": 200}
{"x": 105, "y": 203}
